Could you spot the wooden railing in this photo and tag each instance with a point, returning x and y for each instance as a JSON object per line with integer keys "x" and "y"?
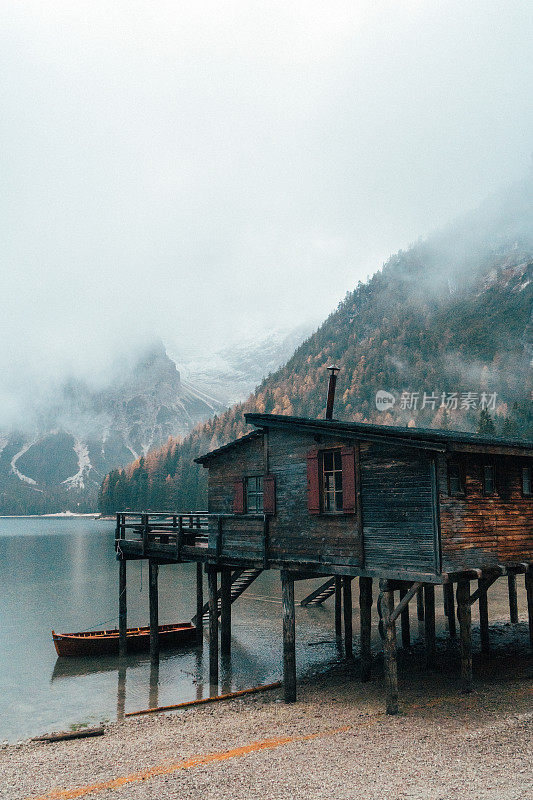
{"x": 181, "y": 532}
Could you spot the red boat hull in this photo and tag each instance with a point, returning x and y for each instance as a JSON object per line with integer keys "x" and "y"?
{"x": 95, "y": 643}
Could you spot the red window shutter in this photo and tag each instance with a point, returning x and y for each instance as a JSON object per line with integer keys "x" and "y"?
{"x": 269, "y": 494}
{"x": 348, "y": 480}
{"x": 238, "y": 496}
{"x": 313, "y": 483}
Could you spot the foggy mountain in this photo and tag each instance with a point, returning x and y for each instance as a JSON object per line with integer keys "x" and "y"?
{"x": 232, "y": 373}
{"x": 71, "y": 439}
{"x": 445, "y": 328}
{"x": 58, "y": 461}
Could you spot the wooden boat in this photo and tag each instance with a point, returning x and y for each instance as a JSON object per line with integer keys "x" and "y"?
{"x": 95, "y": 643}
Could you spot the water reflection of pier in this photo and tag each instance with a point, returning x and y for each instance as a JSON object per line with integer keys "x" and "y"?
{"x": 241, "y": 661}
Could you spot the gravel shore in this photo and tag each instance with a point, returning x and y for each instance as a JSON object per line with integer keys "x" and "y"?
{"x": 335, "y": 742}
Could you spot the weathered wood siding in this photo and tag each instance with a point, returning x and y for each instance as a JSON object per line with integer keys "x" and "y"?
{"x": 399, "y": 522}
{"x": 245, "y": 459}
{"x": 242, "y": 538}
{"x": 479, "y": 531}
{"x": 295, "y": 534}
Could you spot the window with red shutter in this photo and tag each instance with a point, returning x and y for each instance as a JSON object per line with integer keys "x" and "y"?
{"x": 331, "y": 486}
{"x": 238, "y": 496}
{"x": 269, "y": 494}
{"x": 348, "y": 480}
{"x": 313, "y": 482}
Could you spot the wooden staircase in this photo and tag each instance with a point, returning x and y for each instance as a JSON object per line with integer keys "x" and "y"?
{"x": 241, "y": 579}
{"x": 317, "y": 597}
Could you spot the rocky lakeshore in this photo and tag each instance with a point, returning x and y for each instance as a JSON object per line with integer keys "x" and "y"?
{"x": 335, "y": 742}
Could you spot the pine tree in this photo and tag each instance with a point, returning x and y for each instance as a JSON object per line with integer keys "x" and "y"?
{"x": 486, "y": 426}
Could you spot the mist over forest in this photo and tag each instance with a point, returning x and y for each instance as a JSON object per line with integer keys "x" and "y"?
{"x": 445, "y": 327}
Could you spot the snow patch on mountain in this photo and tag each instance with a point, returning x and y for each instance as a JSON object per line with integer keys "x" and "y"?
{"x": 84, "y": 465}
{"x": 20, "y": 475}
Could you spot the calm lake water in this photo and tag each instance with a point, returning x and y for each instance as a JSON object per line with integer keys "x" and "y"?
{"x": 62, "y": 574}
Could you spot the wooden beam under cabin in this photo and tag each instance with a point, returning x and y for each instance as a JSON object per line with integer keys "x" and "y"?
{"x": 199, "y": 602}
{"x": 289, "y": 637}
{"x": 225, "y": 610}
{"x": 122, "y": 608}
{"x": 212, "y": 590}
{"x": 513, "y": 597}
{"x": 389, "y": 648}
{"x": 464, "y": 613}
{"x": 153, "y": 594}
{"x": 348, "y": 627}
{"x": 365, "y": 619}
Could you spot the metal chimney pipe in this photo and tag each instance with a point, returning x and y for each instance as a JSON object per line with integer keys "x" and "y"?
{"x": 331, "y": 391}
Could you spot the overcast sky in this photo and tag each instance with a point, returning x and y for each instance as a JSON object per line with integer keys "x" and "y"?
{"x": 206, "y": 171}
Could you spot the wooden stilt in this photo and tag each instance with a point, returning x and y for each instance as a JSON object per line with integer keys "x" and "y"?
{"x": 225, "y": 611}
{"x": 348, "y": 629}
{"x": 122, "y": 608}
{"x": 199, "y": 602}
{"x": 121, "y": 690}
{"x": 464, "y": 614}
{"x": 420, "y": 610}
{"x": 389, "y": 649}
{"x": 513, "y": 598}
{"x": 483, "y": 616}
{"x": 153, "y": 571}
{"x": 449, "y": 608}
{"x": 338, "y": 607}
{"x": 406, "y": 624}
{"x": 529, "y": 593}
{"x": 289, "y": 640}
{"x": 213, "y": 624}
{"x": 429, "y": 623}
{"x": 365, "y": 618}
{"x": 153, "y": 694}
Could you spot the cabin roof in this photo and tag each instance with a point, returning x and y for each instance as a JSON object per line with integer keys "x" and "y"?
{"x": 235, "y": 443}
{"x": 418, "y": 438}
{"x": 426, "y": 438}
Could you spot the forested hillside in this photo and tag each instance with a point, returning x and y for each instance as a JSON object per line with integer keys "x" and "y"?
{"x": 445, "y": 327}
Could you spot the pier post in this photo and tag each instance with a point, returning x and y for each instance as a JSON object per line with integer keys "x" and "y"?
{"x": 121, "y": 690}
{"x": 153, "y": 694}
{"x": 153, "y": 570}
{"x": 389, "y": 648}
{"x": 449, "y": 608}
{"x": 429, "y": 623}
{"x": 199, "y": 602}
{"x": 213, "y": 624}
{"x": 464, "y": 613}
{"x": 289, "y": 637}
{"x": 406, "y": 623}
{"x": 365, "y": 619}
{"x": 420, "y": 610}
{"x": 513, "y": 599}
{"x": 225, "y": 611}
{"x": 529, "y": 593}
{"x": 348, "y": 628}
{"x": 122, "y": 608}
{"x": 338, "y": 607}
{"x": 484, "y": 616}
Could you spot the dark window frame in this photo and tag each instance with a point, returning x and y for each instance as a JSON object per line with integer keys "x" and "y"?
{"x": 329, "y": 492}
{"x": 456, "y": 462}
{"x": 489, "y": 464}
{"x": 529, "y": 469}
{"x": 256, "y": 492}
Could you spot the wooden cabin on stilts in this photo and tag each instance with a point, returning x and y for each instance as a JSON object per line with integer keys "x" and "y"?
{"x": 403, "y": 510}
